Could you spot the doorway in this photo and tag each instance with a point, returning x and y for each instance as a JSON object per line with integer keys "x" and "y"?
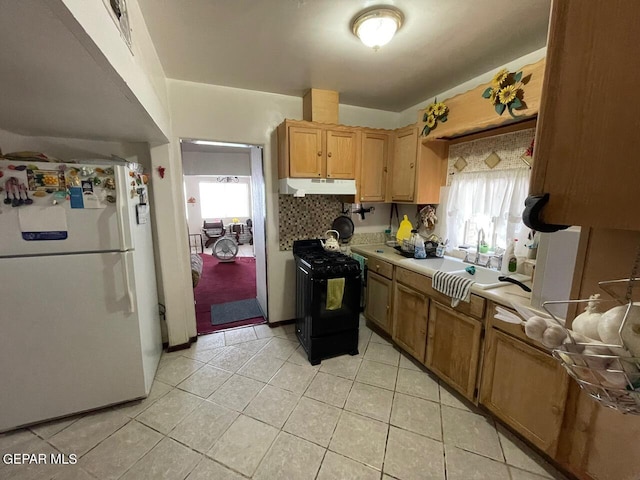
{"x": 225, "y": 210}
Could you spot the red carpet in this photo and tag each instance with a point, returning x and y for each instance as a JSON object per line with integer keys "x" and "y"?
{"x": 220, "y": 283}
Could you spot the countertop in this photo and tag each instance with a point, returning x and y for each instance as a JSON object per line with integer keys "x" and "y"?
{"x": 503, "y": 295}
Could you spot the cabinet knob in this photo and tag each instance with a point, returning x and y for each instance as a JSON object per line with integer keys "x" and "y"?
{"x": 329, "y": 154}
{"x": 411, "y": 165}
{"x": 556, "y": 410}
{"x": 319, "y": 153}
{"x": 328, "y": 175}
{"x": 319, "y": 174}
{"x": 377, "y": 267}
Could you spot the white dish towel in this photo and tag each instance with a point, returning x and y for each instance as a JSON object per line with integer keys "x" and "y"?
{"x": 456, "y": 287}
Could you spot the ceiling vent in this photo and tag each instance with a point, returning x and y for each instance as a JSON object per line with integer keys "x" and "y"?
{"x": 120, "y": 15}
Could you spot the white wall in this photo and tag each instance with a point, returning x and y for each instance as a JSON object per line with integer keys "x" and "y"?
{"x": 216, "y": 163}
{"x": 139, "y": 69}
{"x": 66, "y": 149}
{"x": 210, "y": 112}
{"x": 410, "y": 115}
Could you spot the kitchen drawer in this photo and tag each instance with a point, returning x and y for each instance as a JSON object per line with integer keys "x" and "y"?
{"x": 412, "y": 279}
{"x": 422, "y": 283}
{"x": 516, "y": 331}
{"x": 474, "y": 308}
{"x": 380, "y": 267}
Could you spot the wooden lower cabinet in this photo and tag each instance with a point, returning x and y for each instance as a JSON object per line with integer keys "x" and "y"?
{"x": 410, "y": 311}
{"x": 378, "y": 306}
{"x": 524, "y": 387}
{"x": 453, "y": 348}
{"x": 597, "y": 442}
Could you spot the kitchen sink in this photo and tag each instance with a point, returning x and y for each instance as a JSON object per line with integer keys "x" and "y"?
{"x": 444, "y": 264}
{"x": 486, "y": 278}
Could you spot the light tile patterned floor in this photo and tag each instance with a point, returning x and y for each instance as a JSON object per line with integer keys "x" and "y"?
{"x": 247, "y": 404}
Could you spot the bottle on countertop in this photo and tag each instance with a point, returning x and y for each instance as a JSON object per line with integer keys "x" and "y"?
{"x": 509, "y": 259}
{"x": 420, "y": 251}
{"x": 404, "y": 231}
{"x": 409, "y": 245}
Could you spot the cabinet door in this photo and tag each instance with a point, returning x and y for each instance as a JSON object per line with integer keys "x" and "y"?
{"x": 600, "y": 442}
{"x": 378, "y": 306}
{"x": 587, "y": 139}
{"x": 341, "y": 154}
{"x": 524, "y": 387}
{"x": 410, "y": 310}
{"x": 306, "y": 156}
{"x": 403, "y": 173}
{"x": 453, "y": 348}
{"x": 373, "y": 167}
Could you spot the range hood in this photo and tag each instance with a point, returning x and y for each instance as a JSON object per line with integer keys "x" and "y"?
{"x": 299, "y": 187}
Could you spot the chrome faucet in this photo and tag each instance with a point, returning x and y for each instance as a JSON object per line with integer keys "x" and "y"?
{"x": 480, "y": 234}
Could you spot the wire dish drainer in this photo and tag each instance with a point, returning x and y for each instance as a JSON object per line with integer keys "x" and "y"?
{"x": 608, "y": 373}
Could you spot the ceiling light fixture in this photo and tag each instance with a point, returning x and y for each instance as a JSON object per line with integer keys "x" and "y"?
{"x": 376, "y": 27}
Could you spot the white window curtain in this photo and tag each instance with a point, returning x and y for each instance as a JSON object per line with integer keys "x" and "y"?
{"x": 492, "y": 196}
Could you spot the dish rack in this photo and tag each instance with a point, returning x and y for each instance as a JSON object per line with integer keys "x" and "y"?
{"x": 611, "y": 379}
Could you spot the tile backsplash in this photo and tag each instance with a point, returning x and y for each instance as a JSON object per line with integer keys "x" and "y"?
{"x": 306, "y": 217}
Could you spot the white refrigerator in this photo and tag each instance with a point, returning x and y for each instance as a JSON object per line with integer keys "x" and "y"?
{"x": 79, "y": 318}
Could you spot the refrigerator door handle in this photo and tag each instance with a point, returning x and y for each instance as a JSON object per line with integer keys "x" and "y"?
{"x": 123, "y": 208}
{"x": 127, "y": 272}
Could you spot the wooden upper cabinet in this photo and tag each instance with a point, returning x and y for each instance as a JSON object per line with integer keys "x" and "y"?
{"x": 418, "y": 168}
{"x": 453, "y": 348}
{"x": 403, "y": 174}
{"x": 305, "y": 152}
{"x": 315, "y": 150}
{"x": 373, "y": 165}
{"x": 433, "y": 157}
{"x": 587, "y": 141}
{"x": 524, "y": 387}
{"x": 341, "y": 153}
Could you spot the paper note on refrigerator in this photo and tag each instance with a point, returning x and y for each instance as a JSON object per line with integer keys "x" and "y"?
{"x": 43, "y": 222}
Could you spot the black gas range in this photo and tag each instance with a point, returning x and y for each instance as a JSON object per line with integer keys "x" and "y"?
{"x": 327, "y": 301}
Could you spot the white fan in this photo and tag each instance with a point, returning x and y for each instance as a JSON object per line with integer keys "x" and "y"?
{"x": 225, "y": 249}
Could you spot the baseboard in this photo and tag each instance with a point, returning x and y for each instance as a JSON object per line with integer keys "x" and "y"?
{"x": 182, "y": 346}
{"x": 281, "y": 323}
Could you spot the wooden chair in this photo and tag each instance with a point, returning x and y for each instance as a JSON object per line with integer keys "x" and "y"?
{"x": 213, "y": 231}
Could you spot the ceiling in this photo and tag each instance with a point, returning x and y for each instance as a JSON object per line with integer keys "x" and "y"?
{"x": 289, "y": 46}
{"x": 52, "y": 85}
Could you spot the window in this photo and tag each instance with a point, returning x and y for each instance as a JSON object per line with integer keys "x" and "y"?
{"x": 492, "y": 201}
{"x": 224, "y": 200}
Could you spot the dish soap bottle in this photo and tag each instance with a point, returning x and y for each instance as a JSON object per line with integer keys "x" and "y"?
{"x": 404, "y": 232}
{"x": 509, "y": 260}
{"x": 420, "y": 251}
